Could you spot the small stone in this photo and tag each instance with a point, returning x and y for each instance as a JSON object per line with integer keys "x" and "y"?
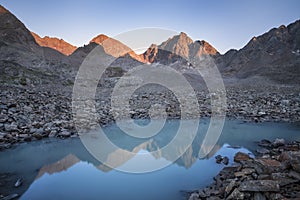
{"x": 244, "y": 172}
{"x": 194, "y": 196}
{"x": 263, "y": 177}
{"x": 259, "y": 196}
{"x": 254, "y": 175}
{"x": 53, "y": 133}
{"x": 37, "y": 136}
{"x": 18, "y": 183}
{"x": 4, "y": 107}
{"x": 278, "y": 142}
{"x": 261, "y": 113}
{"x": 239, "y": 156}
{"x": 3, "y": 118}
{"x": 12, "y": 105}
{"x": 27, "y": 108}
{"x": 23, "y": 135}
{"x": 262, "y": 151}
{"x": 65, "y": 134}
{"x": 239, "y": 174}
{"x": 285, "y": 102}
{"x": 2, "y": 135}
{"x": 294, "y": 175}
{"x": 39, "y": 131}
{"x": 276, "y": 196}
{"x": 236, "y": 195}
{"x": 248, "y": 171}
{"x": 230, "y": 187}
{"x": 265, "y": 143}
{"x": 201, "y": 194}
{"x": 11, "y": 127}
{"x": 5, "y": 146}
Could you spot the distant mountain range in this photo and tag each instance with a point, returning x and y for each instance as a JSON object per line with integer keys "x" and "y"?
{"x": 274, "y": 55}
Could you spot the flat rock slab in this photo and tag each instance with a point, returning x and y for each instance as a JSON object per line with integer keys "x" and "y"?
{"x": 269, "y": 162}
{"x": 260, "y": 186}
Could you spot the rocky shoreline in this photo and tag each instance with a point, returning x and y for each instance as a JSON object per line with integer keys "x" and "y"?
{"x": 273, "y": 174}
{"x": 28, "y": 115}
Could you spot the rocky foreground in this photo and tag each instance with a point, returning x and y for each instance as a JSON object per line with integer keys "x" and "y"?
{"x": 27, "y": 115}
{"x": 273, "y": 174}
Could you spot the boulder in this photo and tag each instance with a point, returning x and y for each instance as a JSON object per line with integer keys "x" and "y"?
{"x": 239, "y": 156}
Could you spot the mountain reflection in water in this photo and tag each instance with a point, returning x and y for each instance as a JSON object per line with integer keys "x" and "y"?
{"x": 64, "y": 169}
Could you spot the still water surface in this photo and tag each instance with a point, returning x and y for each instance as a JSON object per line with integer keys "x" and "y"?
{"x": 63, "y": 169}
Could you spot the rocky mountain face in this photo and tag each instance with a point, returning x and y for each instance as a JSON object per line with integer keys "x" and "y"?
{"x": 115, "y": 48}
{"x": 55, "y": 43}
{"x": 180, "y": 47}
{"x": 184, "y": 46}
{"x": 274, "y": 55}
{"x": 111, "y": 46}
{"x": 13, "y": 31}
{"x": 14, "y": 37}
{"x": 156, "y": 55}
{"x": 22, "y": 60}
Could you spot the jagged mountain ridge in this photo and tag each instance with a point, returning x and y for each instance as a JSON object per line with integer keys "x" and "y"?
{"x": 13, "y": 30}
{"x": 274, "y": 55}
{"x": 55, "y": 43}
{"x": 23, "y": 61}
{"x": 184, "y": 46}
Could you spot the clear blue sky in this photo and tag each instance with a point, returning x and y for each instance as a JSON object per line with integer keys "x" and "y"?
{"x": 225, "y": 24}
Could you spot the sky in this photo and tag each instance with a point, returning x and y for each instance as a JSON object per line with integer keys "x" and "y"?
{"x": 225, "y": 24}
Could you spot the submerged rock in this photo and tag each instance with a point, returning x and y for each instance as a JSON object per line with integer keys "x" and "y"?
{"x": 225, "y": 160}
{"x": 219, "y": 159}
{"x": 10, "y": 197}
{"x": 19, "y": 182}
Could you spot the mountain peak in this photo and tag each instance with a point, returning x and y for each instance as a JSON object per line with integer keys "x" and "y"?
{"x": 182, "y": 45}
{"x": 99, "y": 39}
{"x": 183, "y": 34}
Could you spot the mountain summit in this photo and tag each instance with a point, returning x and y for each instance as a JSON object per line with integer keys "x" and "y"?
{"x": 177, "y": 48}
{"x": 184, "y": 46}
{"x": 111, "y": 46}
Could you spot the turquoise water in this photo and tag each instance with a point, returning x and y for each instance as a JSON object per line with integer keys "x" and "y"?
{"x": 63, "y": 169}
